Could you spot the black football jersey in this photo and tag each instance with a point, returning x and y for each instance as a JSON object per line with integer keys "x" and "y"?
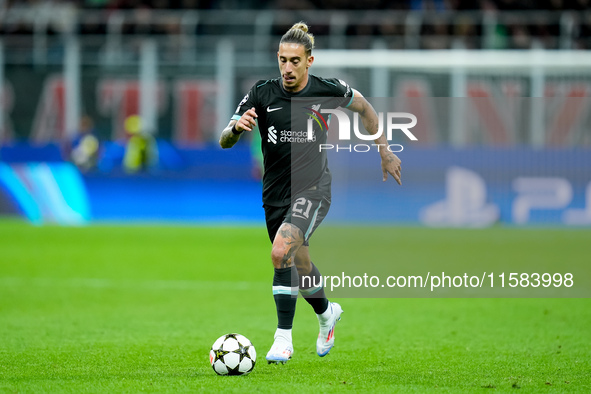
{"x": 292, "y": 158}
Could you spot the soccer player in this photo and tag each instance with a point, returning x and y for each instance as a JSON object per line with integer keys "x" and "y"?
{"x": 296, "y": 180}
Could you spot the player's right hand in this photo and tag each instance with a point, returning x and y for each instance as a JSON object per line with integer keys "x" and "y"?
{"x": 247, "y": 121}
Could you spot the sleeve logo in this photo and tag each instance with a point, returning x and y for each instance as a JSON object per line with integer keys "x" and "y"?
{"x": 244, "y": 100}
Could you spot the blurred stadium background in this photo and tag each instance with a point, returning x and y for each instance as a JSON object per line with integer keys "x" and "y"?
{"x": 111, "y": 110}
{"x": 110, "y": 113}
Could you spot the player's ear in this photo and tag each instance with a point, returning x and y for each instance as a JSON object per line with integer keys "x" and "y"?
{"x": 310, "y": 60}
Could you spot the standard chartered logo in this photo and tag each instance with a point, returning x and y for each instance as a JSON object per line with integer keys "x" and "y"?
{"x": 289, "y": 136}
{"x": 298, "y": 137}
{"x": 272, "y": 135}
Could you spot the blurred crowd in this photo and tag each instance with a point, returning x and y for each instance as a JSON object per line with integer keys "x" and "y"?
{"x": 516, "y": 24}
{"x": 509, "y": 5}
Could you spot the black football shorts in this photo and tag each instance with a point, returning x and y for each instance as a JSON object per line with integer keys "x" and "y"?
{"x": 307, "y": 210}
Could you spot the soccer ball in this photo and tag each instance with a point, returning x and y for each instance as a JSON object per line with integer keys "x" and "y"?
{"x": 232, "y": 354}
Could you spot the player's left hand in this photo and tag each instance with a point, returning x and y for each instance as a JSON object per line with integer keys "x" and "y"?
{"x": 391, "y": 165}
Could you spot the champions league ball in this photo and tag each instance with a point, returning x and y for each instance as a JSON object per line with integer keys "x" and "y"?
{"x": 232, "y": 354}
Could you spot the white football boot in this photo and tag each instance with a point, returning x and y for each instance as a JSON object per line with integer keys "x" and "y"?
{"x": 328, "y": 320}
{"x": 281, "y": 350}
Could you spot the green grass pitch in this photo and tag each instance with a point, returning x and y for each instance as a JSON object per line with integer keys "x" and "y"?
{"x": 109, "y": 308}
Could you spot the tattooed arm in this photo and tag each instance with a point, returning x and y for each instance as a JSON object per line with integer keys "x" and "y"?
{"x": 390, "y": 162}
{"x": 231, "y": 133}
{"x": 228, "y": 139}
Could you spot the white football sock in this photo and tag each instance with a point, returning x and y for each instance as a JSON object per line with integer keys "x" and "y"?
{"x": 284, "y": 334}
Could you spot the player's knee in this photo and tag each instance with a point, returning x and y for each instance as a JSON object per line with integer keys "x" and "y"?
{"x": 280, "y": 256}
{"x": 287, "y": 242}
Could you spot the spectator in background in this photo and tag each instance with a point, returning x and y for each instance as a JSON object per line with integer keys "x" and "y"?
{"x": 85, "y": 147}
{"x": 428, "y": 5}
{"x": 583, "y": 40}
{"x": 141, "y": 152}
{"x": 436, "y": 35}
{"x": 520, "y": 37}
{"x": 257, "y": 154}
{"x": 465, "y": 30}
